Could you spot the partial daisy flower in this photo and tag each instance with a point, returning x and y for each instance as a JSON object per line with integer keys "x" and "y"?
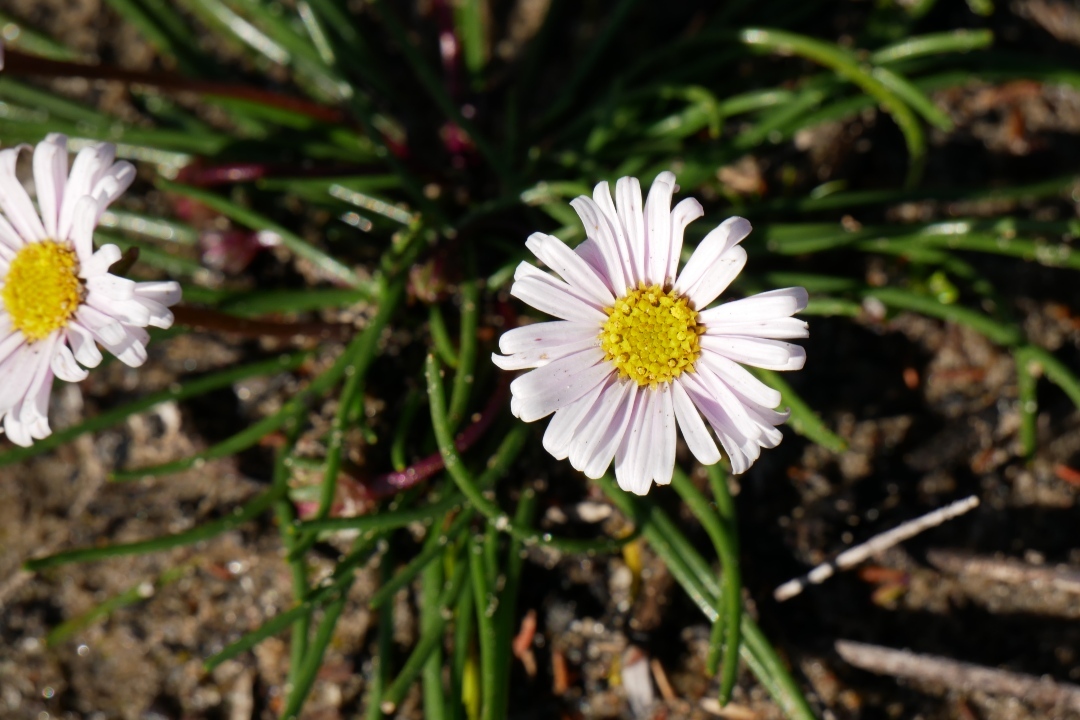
{"x": 638, "y": 351}
{"x": 57, "y": 298}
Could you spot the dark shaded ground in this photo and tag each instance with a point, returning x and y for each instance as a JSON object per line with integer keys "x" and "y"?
{"x": 929, "y": 410}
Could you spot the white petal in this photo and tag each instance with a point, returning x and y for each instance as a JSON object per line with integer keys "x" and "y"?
{"x": 735, "y": 444}
{"x": 602, "y": 431}
{"x": 728, "y": 400}
{"x": 159, "y": 315}
{"x": 559, "y": 436}
{"x": 768, "y": 354}
{"x": 541, "y": 356}
{"x": 132, "y": 349}
{"x": 543, "y": 335}
{"x": 740, "y": 380}
{"x": 658, "y": 228}
{"x": 111, "y": 286}
{"x": 571, "y": 268}
{"x": 687, "y": 211}
{"x": 663, "y": 451}
{"x": 10, "y": 342}
{"x": 715, "y": 263}
{"x": 83, "y": 221}
{"x": 545, "y": 390}
{"x": 598, "y": 229}
{"x": 112, "y": 184}
{"x": 763, "y": 306}
{"x": 602, "y": 198}
{"x": 65, "y": 367}
{"x": 166, "y": 292}
{"x": 632, "y": 458}
{"x": 50, "y": 177}
{"x": 589, "y": 251}
{"x": 14, "y": 201}
{"x": 628, "y": 205}
{"x": 83, "y": 345}
{"x": 100, "y": 262}
{"x": 128, "y": 312}
{"x": 90, "y": 164}
{"x": 105, "y": 328}
{"x": 693, "y": 427}
{"x": 554, "y": 297}
{"x": 786, "y": 328}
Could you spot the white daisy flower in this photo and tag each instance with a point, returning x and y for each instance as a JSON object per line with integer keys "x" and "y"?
{"x": 57, "y": 298}
{"x": 638, "y": 351}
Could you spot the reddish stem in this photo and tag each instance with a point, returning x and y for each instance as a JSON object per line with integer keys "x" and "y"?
{"x": 206, "y": 319}
{"x": 17, "y": 63}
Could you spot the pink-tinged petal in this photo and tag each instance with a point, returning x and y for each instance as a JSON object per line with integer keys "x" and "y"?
{"x": 769, "y": 436}
{"x": 557, "y": 384}
{"x": 65, "y": 367}
{"x": 106, "y": 329}
{"x": 18, "y": 371}
{"x": 132, "y": 349}
{"x": 589, "y": 251}
{"x": 768, "y": 354}
{"x": 90, "y": 165}
{"x": 83, "y": 222}
{"x": 740, "y": 380}
{"x": 10, "y": 240}
{"x": 10, "y": 341}
{"x": 776, "y": 329}
{"x": 628, "y": 205}
{"x": 33, "y": 411}
{"x": 571, "y": 268}
{"x": 553, "y": 296}
{"x": 602, "y": 199}
{"x": 763, "y": 306}
{"x": 735, "y": 444}
{"x": 715, "y": 263}
{"x": 14, "y": 200}
{"x": 663, "y": 452}
{"x": 166, "y": 292}
{"x": 83, "y": 345}
{"x": 603, "y": 429}
{"x": 112, "y": 287}
{"x": 658, "y": 228}
{"x": 598, "y": 228}
{"x": 686, "y": 212}
{"x": 50, "y": 177}
{"x": 160, "y": 315}
{"x": 693, "y": 427}
{"x": 100, "y": 262}
{"x": 632, "y": 457}
{"x": 541, "y": 356}
{"x": 559, "y": 436}
{"x": 112, "y": 184}
{"x": 542, "y": 335}
{"x": 733, "y": 406}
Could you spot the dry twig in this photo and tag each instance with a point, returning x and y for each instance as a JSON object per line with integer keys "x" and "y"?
{"x": 1004, "y": 570}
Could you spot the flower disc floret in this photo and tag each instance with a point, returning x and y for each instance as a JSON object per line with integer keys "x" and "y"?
{"x": 651, "y": 336}
{"x": 42, "y": 289}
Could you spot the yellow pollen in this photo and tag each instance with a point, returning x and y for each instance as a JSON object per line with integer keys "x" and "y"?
{"x": 651, "y": 336}
{"x": 42, "y": 289}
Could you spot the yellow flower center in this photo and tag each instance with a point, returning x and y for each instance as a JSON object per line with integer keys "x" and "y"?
{"x": 42, "y": 289}
{"x": 651, "y": 336}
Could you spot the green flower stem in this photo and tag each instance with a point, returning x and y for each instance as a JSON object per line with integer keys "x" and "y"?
{"x": 472, "y": 490}
{"x": 681, "y": 558}
{"x": 431, "y": 551}
{"x": 722, "y": 532}
{"x": 249, "y": 218}
{"x": 933, "y": 44}
{"x": 470, "y": 313}
{"x": 440, "y": 337}
{"x": 176, "y": 393}
{"x": 484, "y": 602}
{"x": 429, "y": 648}
{"x": 462, "y": 642}
{"x": 398, "y": 460}
{"x": 250, "y": 510}
{"x": 1056, "y": 371}
{"x": 381, "y": 672}
{"x": 845, "y": 64}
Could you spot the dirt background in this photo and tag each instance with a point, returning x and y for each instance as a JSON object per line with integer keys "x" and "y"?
{"x": 929, "y": 410}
